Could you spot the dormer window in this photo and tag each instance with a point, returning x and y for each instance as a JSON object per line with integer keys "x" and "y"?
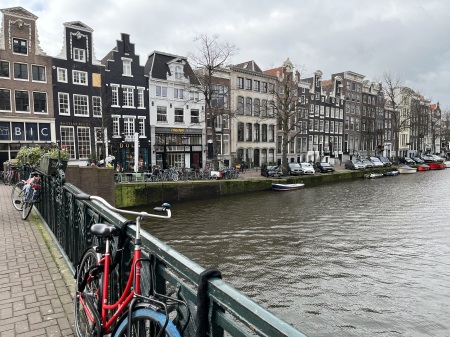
{"x": 178, "y": 73}
{"x": 126, "y": 67}
{"x": 79, "y": 55}
{"x": 20, "y": 46}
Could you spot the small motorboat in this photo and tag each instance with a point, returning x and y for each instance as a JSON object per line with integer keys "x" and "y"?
{"x": 391, "y": 173}
{"x": 437, "y": 166}
{"x": 406, "y": 169}
{"x": 373, "y": 175}
{"x": 286, "y": 187}
{"x": 423, "y": 167}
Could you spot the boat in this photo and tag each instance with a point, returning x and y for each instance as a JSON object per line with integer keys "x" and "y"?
{"x": 407, "y": 169}
{"x": 391, "y": 173}
{"x": 423, "y": 167}
{"x": 373, "y": 175}
{"x": 437, "y": 166}
{"x": 286, "y": 187}
{"x": 447, "y": 163}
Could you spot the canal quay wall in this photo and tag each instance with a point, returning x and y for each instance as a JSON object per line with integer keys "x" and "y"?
{"x": 154, "y": 193}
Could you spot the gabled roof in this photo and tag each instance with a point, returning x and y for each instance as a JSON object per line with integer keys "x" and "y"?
{"x": 274, "y": 71}
{"x": 78, "y": 25}
{"x": 19, "y": 12}
{"x": 250, "y": 66}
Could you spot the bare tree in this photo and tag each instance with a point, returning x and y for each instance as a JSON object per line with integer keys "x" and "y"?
{"x": 209, "y": 61}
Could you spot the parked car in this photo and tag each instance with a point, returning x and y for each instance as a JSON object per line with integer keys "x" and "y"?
{"x": 367, "y": 163}
{"x": 295, "y": 169}
{"x": 354, "y": 165}
{"x": 376, "y": 162}
{"x": 307, "y": 168}
{"x": 407, "y": 160}
{"x": 271, "y": 171}
{"x": 386, "y": 162}
{"x": 418, "y": 160}
{"x": 324, "y": 167}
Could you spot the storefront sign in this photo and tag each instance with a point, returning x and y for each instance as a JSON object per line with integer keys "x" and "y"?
{"x": 25, "y": 131}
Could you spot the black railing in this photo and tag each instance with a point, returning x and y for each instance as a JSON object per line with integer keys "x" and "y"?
{"x": 231, "y": 312}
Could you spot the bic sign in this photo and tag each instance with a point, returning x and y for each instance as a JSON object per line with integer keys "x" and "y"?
{"x": 26, "y": 131}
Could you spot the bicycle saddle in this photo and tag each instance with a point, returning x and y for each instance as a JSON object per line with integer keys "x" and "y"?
{"x": 103, "y": 230}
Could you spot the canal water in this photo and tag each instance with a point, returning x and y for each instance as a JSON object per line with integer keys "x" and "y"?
{"x": 359, "y": 258}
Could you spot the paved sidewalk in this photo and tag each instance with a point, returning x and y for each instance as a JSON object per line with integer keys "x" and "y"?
{"x": 34, "y": 299}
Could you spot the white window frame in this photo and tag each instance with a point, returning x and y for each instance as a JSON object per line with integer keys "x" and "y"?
{"x": 26, "y": 47}
{"x": 10, "y": 100}
{"x": 68, "y": 142}
{"x": 115, "y": 95}
{"x": 141, "y": 125}
{"x": 141, "y": 101}
{"x": 96, "y": 106}
{"x": 77, "y": 106}
{"x": 46, "y": 102}
{"x": 126, "y": 67}
{"x": 62, "y": 75}
{"x": 129, "y": 126}
{"x": 79, "y": 77}
{"x": 116, "y": 125}
{"x": 161, "y": 114}
{"x": 45, "y": 73}
{"x": 127, "y": 96}
{"x": 79, "y": 55}
{"x": 64, "y": 105}
{"x": 84, "y": 139}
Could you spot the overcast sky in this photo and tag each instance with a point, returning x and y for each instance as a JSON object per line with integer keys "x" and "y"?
{"x": 408, "y": 38}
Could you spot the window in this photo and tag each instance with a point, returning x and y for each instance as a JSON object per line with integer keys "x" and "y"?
{"x": 264, "y": 108}
{"x": 240, "y": 105}
{"x": 161, "y": 114}
{"x": 22, "y": 101}
{"x": 240, "y": 83}
{"x": 38, "y": 73}
{"x": 80, "y": 105}
{"x": 256, "y": 107}
{"x": 271, "y": 133}
{"x": 126, "y": 67}
{"x": 63, "y": 103}
{"x": 68, "y": 140}
{"x": 96, "y": 106}
{"x": 248, "y": 106}
{"x": 116, "y": 126}
{"x": 248, "y": 132}
{"x": 141, "y": 103}
{"x": 62, "y": 75}
{"x": 128, "y": 97}
{"x": 256, "y": 130}
{"x": 20, "y": 46}
{"x": 79, "y": 55}
{"x": 128, "y": 126}
{"x": 84, "y": 142}
{"x": 264, "y": 132}
{"x": 271, "y": 109}
{"x": 178, "y": 73}
{"x": 195, "y": 116}
{"x": 161, "y": 91}
{"x": 5, "y": 99}
{"x": 4, "y": 69}
{"x": 178, "y": 93}
{"x": 240, "y": 131}
{"x": 248, "y": 84}
{"x": 40, "y": 102}
{"x": 142, "y": 126}
{"x": 256, "y": 86}
{"x": 179, "y": 115}
{"x": 21, "y": 71}
{"x": 114, "y": 95}
{"x": 79, "y": 77}
{"x": 226, "y": 144}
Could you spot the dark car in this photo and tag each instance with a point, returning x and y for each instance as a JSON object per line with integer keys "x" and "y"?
{"x": 354, "y": 165}
{"x": 386, "y": 162}
{"x": 407, "y": 160}
{"x": 324, "y": 167}
{"x": 271, "y": 171}
{"x": 418, "y": 160}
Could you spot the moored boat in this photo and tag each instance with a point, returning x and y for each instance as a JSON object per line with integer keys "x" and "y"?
{"x": 423, "y": 167}
{"x": 373, "y": 175}
{"x": 286, "y": 187}
{"x": 406, "y": 169}
{"x": 391, "y": 173}
{"x": 447, "y": 163}
{"x": 437, "y": 166}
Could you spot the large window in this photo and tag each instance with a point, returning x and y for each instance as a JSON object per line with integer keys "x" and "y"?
{"x": 114, "y": 95}
{"x": 264, "y": 132}
{"x": 4, "y": 69}
{"x": 40, "y": 102}
{"x": 240, "y": 83}
{"x": 179, "y": 115}
{"x": 271, "y": 133}
{"x": 5, "y": 99}
{"x": 80, "y": 105}
{"x": 116, "y": 126}
{"x": 79, "y": 77}
{"x": 195, "y": 116}
{"x": 256, "y": 107}
{"x": 68, "y": 140}
{"x": 248, "y": 106}
{"x": 84, "y": 142}
{"x": 126, "y": 67}
{"x": 38, "y": 73}
{"x": 161, "y": 91}
{"x": 128, "y": 98}
{"x": 226, "y": 144}
{"x": 63, "y": 103}
{"x": 141, "y": 92}
{"x": 240, "y": 105}
{"x": 20, "y": 46}
{"x": 248, "y": 132}
{"x": 79, "y": 55}
{"x": 141, "y": 126}
{"x": 96, "y": 106}
{"x": 240, "y": 131}
{"x": 22, "y": 101}
{"x": 161, "y": 114}
{"x": 21, "y": 71}
{"x": 62, "y": 75}
{"x": 128, "y": 126}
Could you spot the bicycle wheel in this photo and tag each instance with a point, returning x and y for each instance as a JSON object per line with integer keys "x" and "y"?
{"x": 27, "y": 203}
{"x": 146, "y": 322}
{"x": 83, "y": 326}
{"x": 175, "y": 177}
{"x": 17, "y": 195}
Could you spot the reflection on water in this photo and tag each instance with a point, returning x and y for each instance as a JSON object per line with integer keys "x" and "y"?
{"x": 363, "y": 258}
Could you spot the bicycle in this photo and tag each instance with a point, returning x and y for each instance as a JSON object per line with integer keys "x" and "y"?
{"x": 133, "y": 314}
{"x": 26, "y": 193}
{"x": 11, "y": 175}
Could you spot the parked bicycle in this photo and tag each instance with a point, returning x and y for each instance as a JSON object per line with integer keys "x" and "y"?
{"x": 26, "y": 193}
{"x": 11, "y": 175}
{"x": 133, "y": 314}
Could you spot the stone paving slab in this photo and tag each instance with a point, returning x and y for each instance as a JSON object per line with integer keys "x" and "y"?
{"x": 34, "y": 297}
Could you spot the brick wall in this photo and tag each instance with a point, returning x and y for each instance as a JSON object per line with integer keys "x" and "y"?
{"x": 93, "y": 180}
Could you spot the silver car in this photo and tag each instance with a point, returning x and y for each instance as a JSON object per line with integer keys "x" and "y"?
{"x": 295, "y": 169}
{"x": 307, "y": 168}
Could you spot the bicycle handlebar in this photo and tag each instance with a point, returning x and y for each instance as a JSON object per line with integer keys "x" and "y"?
{"x": 164, "y": 208}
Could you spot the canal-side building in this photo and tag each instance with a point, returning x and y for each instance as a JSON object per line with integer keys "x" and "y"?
{"x": 77, "y": 94}
{"x": 126, "y": 112}
{"x": 177, "y": 112}
{"x": 253, "y": 129}
{"x": 26, "y": 102}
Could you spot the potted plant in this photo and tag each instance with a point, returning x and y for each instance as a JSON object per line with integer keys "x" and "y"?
{"x": 49, "y": 161}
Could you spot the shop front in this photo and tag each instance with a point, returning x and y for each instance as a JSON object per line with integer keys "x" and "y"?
{"x": 124, "y": 154}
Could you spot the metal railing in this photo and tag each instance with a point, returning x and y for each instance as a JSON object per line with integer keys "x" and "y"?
{"x": 231, "y": 313}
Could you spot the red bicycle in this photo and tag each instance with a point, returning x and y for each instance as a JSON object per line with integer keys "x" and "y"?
{"x": 132, "y": 314}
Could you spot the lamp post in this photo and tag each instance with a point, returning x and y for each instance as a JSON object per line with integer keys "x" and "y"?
{"x": 184, "y": 141}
